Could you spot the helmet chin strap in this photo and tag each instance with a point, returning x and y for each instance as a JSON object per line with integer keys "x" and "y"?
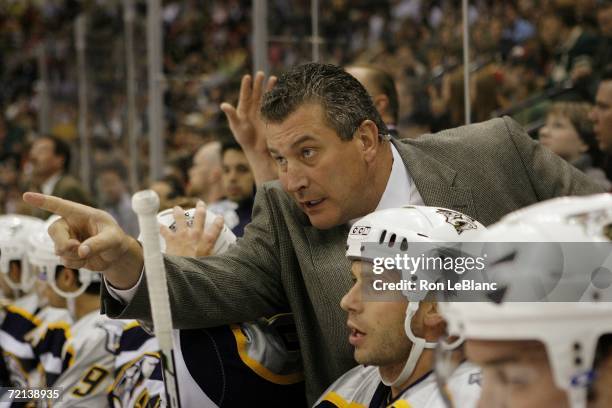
{"x": 418, "y": 345}
{"x": 71, "y": 306}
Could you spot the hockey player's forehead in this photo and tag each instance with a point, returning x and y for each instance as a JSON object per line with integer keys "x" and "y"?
{"x": 500, "y": 352}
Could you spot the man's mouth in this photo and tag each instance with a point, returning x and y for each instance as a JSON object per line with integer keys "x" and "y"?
{"x": 356, "y": 336}
{"x": 312, "y": 204}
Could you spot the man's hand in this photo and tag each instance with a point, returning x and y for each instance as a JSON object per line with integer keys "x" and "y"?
{"x": 192, "y": 240}
{"x": 248, "y": 128}
{"x": 89, "y": 238}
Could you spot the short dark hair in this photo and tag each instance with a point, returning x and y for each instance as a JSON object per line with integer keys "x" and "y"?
{"x": 114, "y": 167}
{"x": 177, "y": 189}
{"x": 229, "y": 145}
{"x": 345, "y": 102}
{"x": 385, "y": 84}
{"x": 60, "y": 148}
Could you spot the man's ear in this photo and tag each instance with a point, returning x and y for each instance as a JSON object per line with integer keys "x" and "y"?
{"x": 434, "y": 324}
{"x": 367, "y": 135}
{"x": 66, "y": 279}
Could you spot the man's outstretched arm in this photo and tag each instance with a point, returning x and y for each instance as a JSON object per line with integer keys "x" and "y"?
{"x": 240, "y": 285}
{"x": 89, "y": 238}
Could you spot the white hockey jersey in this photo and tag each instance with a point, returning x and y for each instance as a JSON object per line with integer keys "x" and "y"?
{"x": 251, "y": 364}
{"x": 20, "y": 330}
{"x": 87, "y": 360}
{"x": 138, "y": 380}
{"x": 362, "y": 387}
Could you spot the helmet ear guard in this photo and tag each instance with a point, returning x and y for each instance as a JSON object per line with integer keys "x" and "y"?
{"x": 85, "y": 277}
{"x": 43, "y": 263}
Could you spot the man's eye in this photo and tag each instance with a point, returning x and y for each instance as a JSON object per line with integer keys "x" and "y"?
{"x": 280, "y": 160}
{"x": 308, "y": 153}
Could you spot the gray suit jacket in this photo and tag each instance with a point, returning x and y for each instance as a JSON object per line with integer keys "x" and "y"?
{"x": 484, "y": 170}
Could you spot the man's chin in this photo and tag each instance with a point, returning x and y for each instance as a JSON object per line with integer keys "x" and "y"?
{"x": 322, "y": 224}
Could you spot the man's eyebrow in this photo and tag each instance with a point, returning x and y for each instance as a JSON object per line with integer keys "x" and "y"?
{"x": 301, "y": 139}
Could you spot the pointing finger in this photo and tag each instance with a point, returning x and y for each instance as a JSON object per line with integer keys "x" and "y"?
{"x": 56, "y": 205}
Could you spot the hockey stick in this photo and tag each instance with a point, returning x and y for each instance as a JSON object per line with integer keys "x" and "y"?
{"x": 145, "y": 204}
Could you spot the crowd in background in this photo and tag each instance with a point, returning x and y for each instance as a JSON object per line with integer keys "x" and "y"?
{"x": 526, "y": 54}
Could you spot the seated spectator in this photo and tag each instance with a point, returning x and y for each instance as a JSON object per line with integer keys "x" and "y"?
{"x": 115, "y": 197}
{"x": 381, "y": 87}
{"x": 573, "y": 47}
{"x": 168, "y": 188}
{"x": 238, "y": 183}
{"x": 50, "y": 159}
{"x": 205, "y": 183}
{"x": 603, "y": 55}
{"x": 568, "y": 132}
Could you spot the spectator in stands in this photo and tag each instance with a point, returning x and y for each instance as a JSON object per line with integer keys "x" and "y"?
{"x": 168, "y": 188}
{"x": 381, "y": 87}
{"x": 568, "y": 132}
{"x": 238, "y": 183}
{"x": 572, "y": 47}
{"x": 205, "y": 173}
{"x": 601, "y": 115}
{"x": 50, "y": 160}
{"x": 604, "y": 21}
{"x": 205, "y": 183}
{"x": 115, "y": 197}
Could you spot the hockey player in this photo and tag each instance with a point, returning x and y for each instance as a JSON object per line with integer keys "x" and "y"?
{"x": 78, "y": 358}
{"x": 394, "y": 333}
{"x": 254, "y": 364}
{"x": 556, "y": 352}
{"x": 28, "y": 312}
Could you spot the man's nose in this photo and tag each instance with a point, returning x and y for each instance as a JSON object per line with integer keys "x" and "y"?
{"x": 351, "y": 301}
{"x": 296, "y": 180}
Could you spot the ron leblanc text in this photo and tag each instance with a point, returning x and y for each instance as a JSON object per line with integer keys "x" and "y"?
{"x": 423, "y": 284}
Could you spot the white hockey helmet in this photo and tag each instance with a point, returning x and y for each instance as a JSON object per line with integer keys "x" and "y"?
{"x": 14, "y": 233}
{"x": 44, "y": 262}
{"x": 569, "y": 331}
{"x": 226, "y": 237}
{"x": 386, "y": 233}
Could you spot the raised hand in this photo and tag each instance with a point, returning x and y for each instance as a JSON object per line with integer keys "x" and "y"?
{"x": 191, "y": 240}
{"x": 89, "y": 238}
{"x": 248, "y": 128}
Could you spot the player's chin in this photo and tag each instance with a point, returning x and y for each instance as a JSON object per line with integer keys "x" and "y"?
{"x": 362, "y": 355}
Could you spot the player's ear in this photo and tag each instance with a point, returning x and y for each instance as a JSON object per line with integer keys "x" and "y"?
{"x": 433, "y": 322}
{"x": 67, "y": 278}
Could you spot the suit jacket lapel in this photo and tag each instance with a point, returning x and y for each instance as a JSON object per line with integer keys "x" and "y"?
{"x": 435, "y": 181}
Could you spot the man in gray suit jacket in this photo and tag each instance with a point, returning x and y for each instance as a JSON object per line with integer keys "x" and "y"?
{"x": 335, "y": 164}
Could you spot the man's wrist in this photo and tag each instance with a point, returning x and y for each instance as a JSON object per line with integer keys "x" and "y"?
{"x": 125, "y": 272}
